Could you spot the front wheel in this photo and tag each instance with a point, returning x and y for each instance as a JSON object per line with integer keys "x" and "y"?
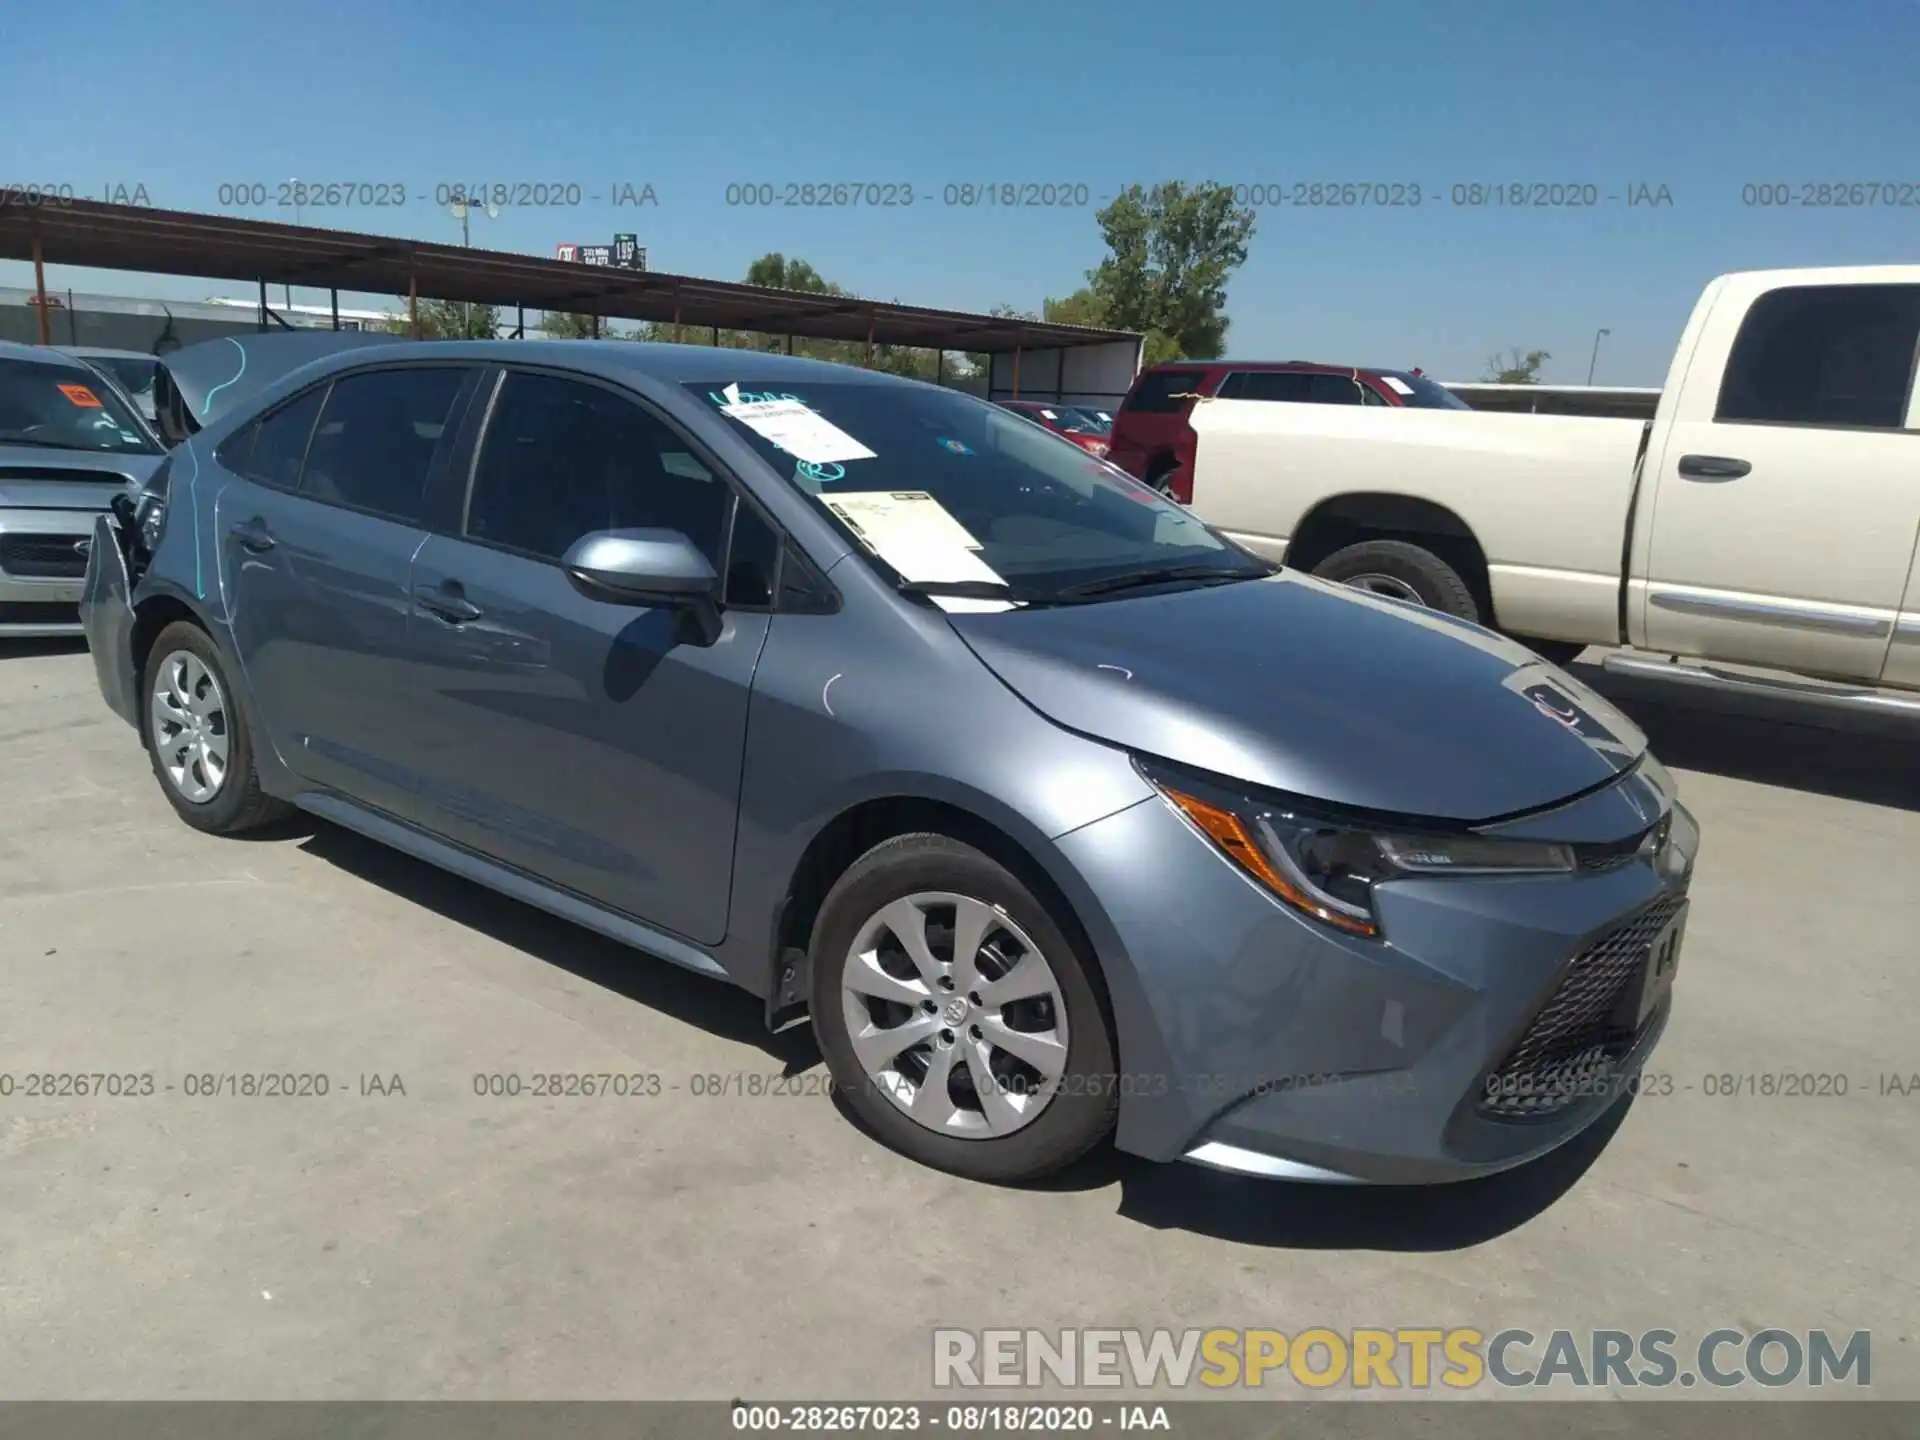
{"x": 958, "y": 1018}
{"x": 1401, "y": 571}
{"x": 198, "y": 737}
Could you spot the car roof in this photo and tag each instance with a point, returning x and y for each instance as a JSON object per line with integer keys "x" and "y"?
{"x": 1324, "y": 366}
{"x": 46, "y": 355}
{"x": 675, "y": 364}
{"x": 103, "y": 352}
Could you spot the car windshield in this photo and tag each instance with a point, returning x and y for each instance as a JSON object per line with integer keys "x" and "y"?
{"x": 64, "y": 407}
{"x": 1422, "y": 393}
{"x": 945, "y": 489}
{"x": 1092, "y": 421}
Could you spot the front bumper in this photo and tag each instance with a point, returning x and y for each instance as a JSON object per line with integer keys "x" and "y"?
{"x": 107, "y": 617}
{"x": 1253, "y": 1039}
{"x": 35, "y": 545}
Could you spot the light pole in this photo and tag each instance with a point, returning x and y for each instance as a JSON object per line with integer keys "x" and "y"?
{"x": 295, "y": 192}
{"x": 460, "y": 209}
{"x": 1596, "y": 353}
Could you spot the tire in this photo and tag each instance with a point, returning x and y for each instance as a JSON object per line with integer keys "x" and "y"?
{"x": 962, "y": 1133}
{"x": 222, "y": 801}
{"x": 1404, "y": 571}
{"x": 1555, "y": 652}
{"x": 1155, "y": 475}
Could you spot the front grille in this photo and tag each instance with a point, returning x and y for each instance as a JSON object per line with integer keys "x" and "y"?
{"x": 43, "y": 557}
{"x": 1570, "y": 1048}
{"x": 38, "y": 612}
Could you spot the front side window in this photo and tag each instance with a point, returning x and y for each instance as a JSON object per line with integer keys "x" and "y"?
{"x": 1287, "y": 385}
{"x": 374, "y": 445}
{"x": 1824, "y": 355}
{"x": 942, "y": 473}
{"x": 66, "y": 407}
{"x": 562, "y": 459}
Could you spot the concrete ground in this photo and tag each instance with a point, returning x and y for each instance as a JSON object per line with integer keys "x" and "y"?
{"x": 440, "y": 1244}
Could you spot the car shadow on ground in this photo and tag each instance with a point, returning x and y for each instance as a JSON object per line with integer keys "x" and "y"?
{"x": 10, "y": 648}
{"x": 713, "y": 1005}
{"x": 1771, "y": 742}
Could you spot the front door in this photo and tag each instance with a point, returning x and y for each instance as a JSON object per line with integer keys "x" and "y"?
{"x": 1786, "y": 499}
{"x": 598, "y": 746}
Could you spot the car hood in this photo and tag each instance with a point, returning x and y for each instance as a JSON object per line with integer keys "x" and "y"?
{"x": 1318, "y": 691}
{"x": 33, "y": 477}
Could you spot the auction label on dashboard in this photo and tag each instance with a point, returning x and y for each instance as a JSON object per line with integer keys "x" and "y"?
{"x": 915, "y": 534}
{"x": 802, "y": 432}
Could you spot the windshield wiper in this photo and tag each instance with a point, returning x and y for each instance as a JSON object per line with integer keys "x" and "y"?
{"x": 972, "y": 590}
{"x": 1165, "y": 575}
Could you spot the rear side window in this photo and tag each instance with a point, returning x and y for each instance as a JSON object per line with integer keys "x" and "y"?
{"x": 270, "y": 450}
{"x": 375, "y": 442}
{"x": 1266, "y": 385}
{"x": 1153, "y": 392}
{"x": 1824, "y": 355}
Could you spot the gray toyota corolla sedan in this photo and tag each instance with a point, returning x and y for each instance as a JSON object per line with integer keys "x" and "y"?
{"x": 1059, "y": 815}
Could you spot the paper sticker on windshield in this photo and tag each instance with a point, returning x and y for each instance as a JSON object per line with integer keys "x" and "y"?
{"x": 913, "y": 533}
{"x": 1397, "y": 385}
{"x": 80, "y": 395}
{"x": 803, "y": 433}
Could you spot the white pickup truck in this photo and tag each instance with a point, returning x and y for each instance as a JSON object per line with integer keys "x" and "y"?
{"x": 1759, "y": 532}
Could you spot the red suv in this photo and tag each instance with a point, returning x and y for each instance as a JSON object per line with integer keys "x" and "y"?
{"x": 1077, "y": 423}
{"x": 1152, "y": 441}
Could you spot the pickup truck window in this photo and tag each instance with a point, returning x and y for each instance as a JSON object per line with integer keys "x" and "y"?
{"x": 1825, "y": 355}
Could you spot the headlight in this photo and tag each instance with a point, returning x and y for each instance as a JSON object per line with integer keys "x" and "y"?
{"x": 150, "y": 510}
{"x": 1328, "y": 868}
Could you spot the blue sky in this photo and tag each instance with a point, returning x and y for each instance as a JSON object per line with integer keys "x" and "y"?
{"x": 1702, "y": 97}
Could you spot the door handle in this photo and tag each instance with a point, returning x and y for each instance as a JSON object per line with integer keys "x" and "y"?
{"x": 1712, "y": 467}
{"x": 254, "y": 535}
{"x": 447, "y": 602}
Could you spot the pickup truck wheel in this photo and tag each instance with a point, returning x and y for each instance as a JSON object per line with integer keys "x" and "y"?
{"x": 1402, "y": 572}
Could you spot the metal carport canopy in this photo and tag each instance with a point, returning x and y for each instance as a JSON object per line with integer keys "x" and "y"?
{"x": 177, "y": 242}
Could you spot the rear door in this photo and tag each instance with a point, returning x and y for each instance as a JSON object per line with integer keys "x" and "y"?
{"x": 1787, "y": 498}
{"x": 317, "y": 540}
{"x": 597, "y": 746}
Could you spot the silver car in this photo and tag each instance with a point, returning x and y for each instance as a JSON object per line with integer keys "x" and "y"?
{"x": 1060, "y": 816}
{"x": 68, "y": 445}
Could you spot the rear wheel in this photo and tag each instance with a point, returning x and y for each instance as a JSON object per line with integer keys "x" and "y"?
{"x": 1159, "y": 473}
{"x": 960, "y": 1021}
{"x": 198, "y": 737}
{"x": 1401, "y": 571}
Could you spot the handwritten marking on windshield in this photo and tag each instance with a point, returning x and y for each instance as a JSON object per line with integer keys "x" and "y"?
{"x": 1121, "y": 668}
{"x": 825, "y": 688}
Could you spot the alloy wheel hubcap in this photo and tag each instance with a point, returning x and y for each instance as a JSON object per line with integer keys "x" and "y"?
{"x": 189, "y": 727}
{"x": 955, "y": 1015}
{"x": 1388, "y": 585}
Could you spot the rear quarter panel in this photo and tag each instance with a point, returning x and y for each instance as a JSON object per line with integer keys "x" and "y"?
{"x": 1546, "y": 495}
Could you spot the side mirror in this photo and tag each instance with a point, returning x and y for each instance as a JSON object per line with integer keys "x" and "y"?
{"x": 641, "y": 567}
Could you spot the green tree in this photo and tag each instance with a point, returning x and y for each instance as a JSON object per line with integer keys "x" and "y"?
{"x": 1516, "y": 369}
{"x": 564, "y": 325}
{"x": 450, "y": 320}
{"x": 1083, "y": 307}
{"x": 1171, "y": 250}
